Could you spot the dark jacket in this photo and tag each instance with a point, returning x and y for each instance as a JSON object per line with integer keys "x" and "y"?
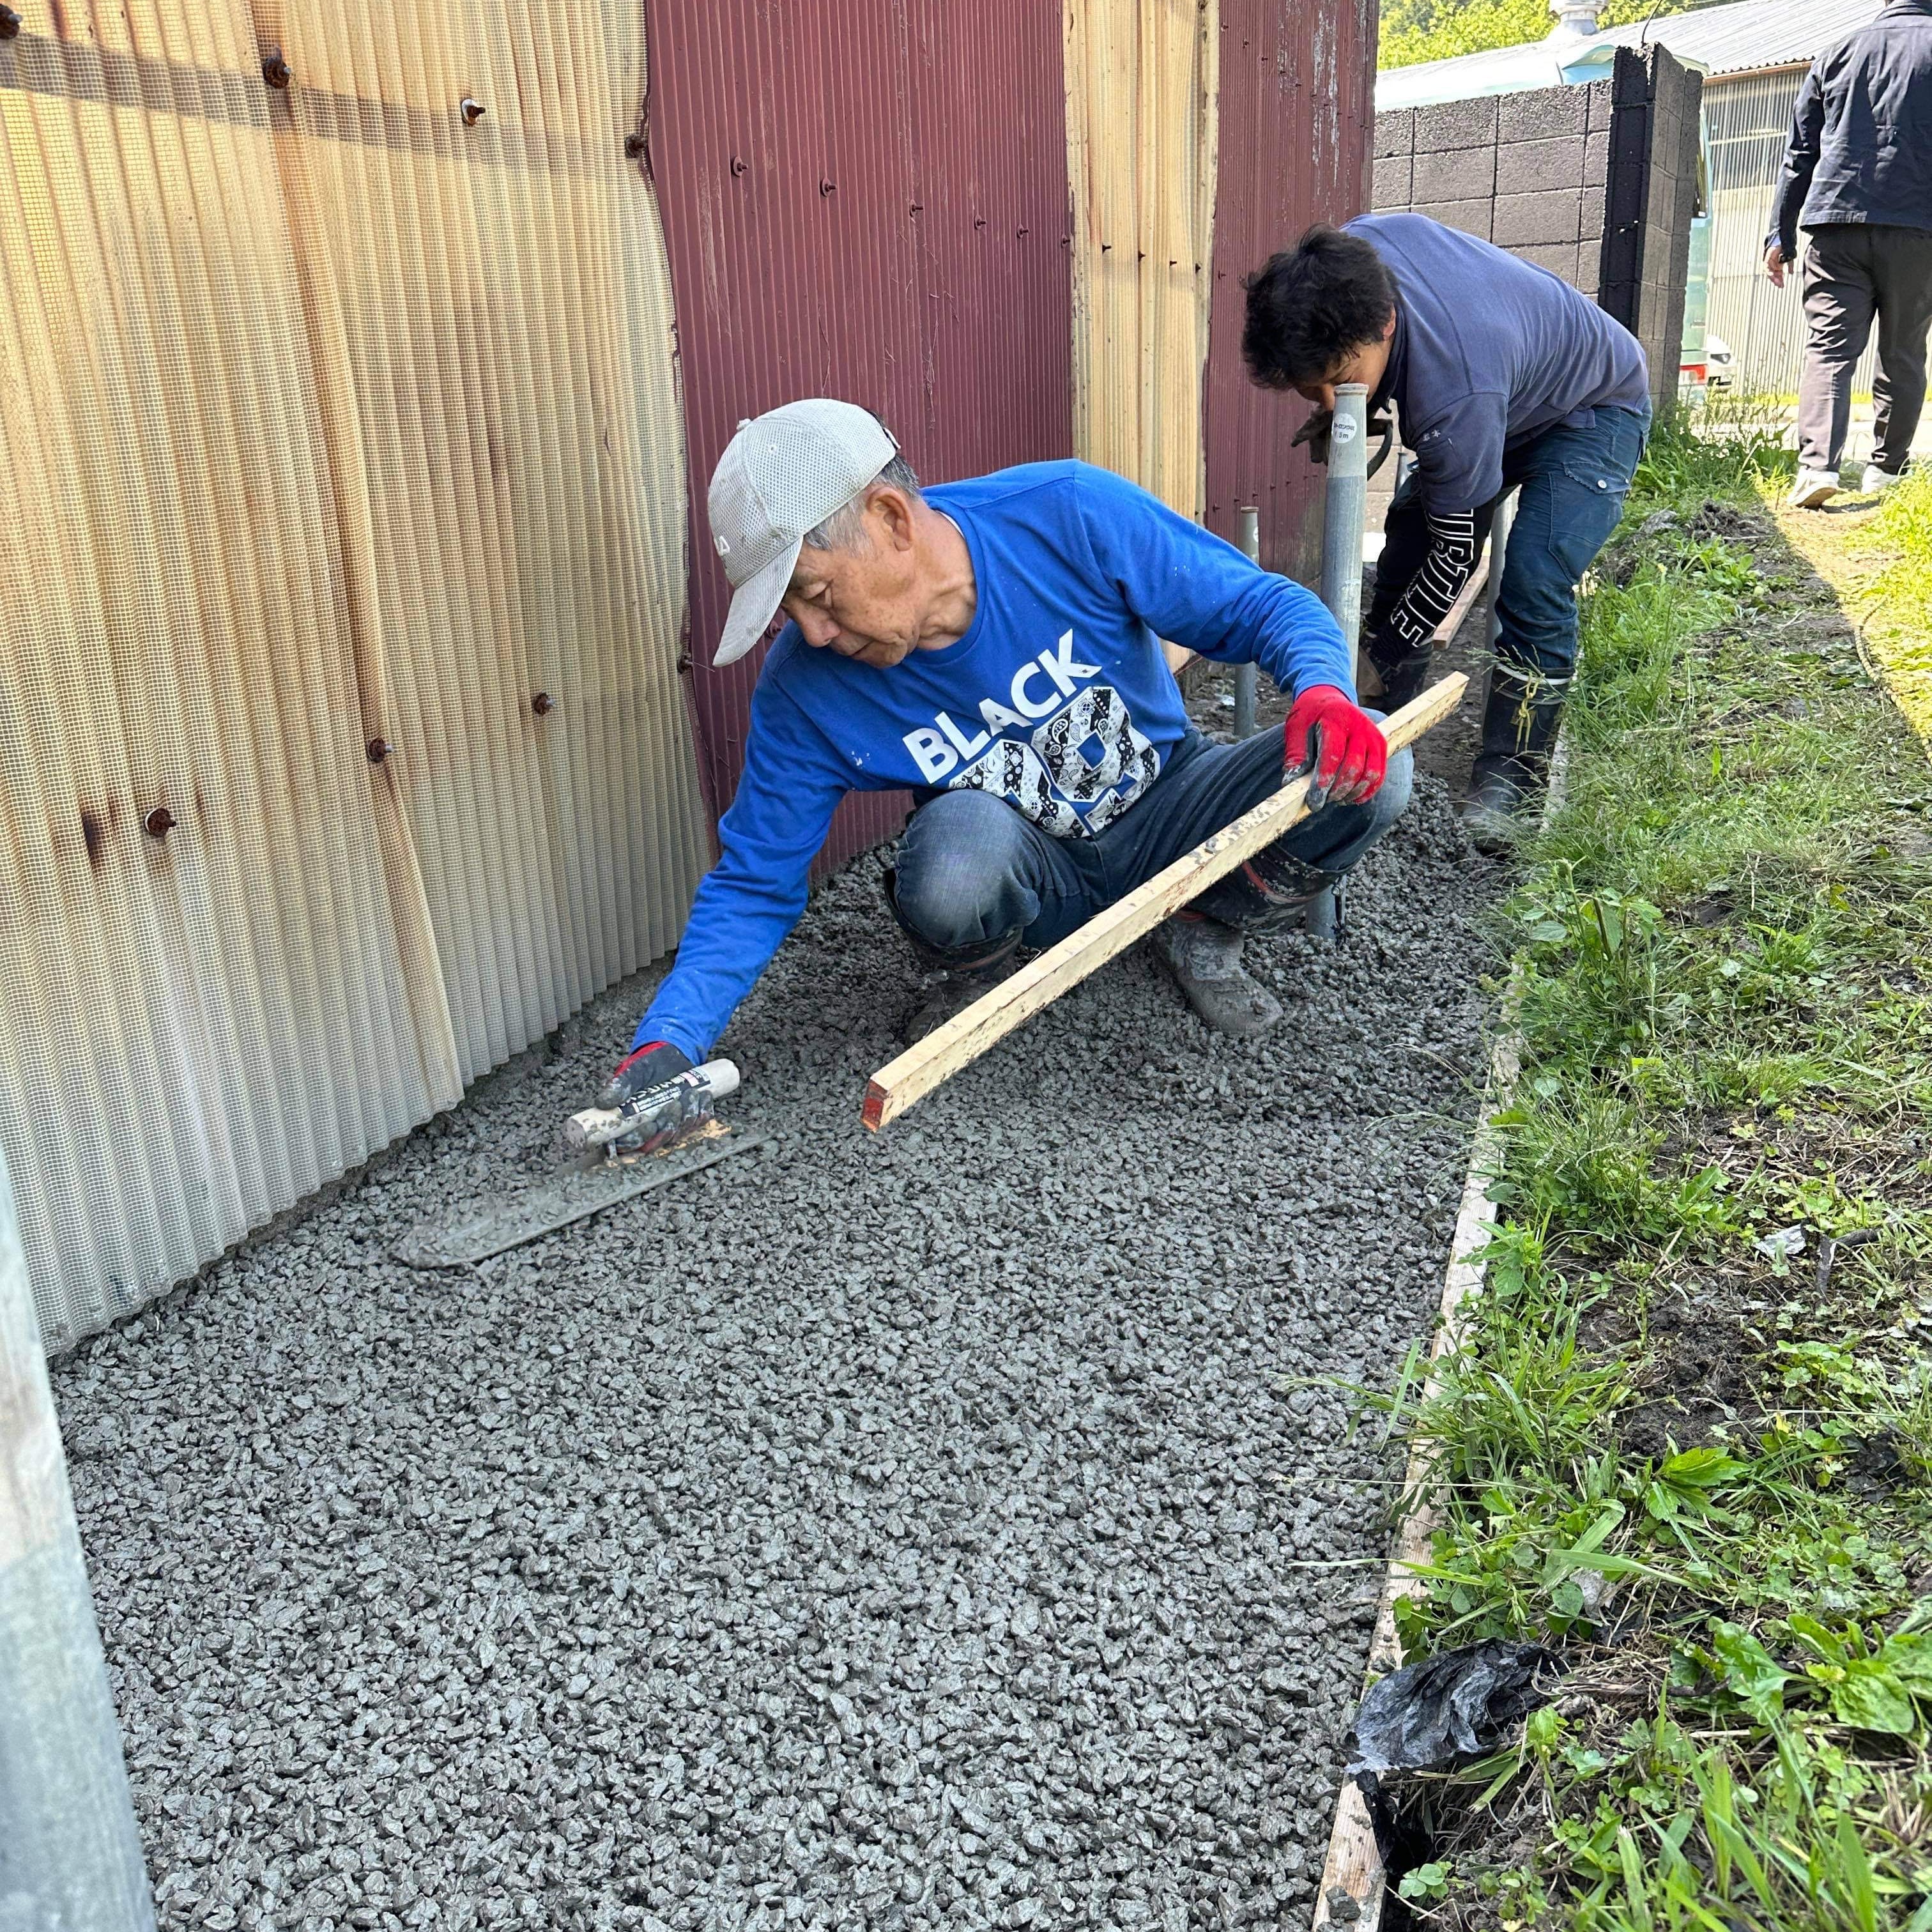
{"x": 1861, "y": 147}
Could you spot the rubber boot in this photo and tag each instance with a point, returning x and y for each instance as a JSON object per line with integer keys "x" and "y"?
{"x": 1519, "y": 726}
{"x": 1274, "y": 891}
{"x": 1205, "y": 956}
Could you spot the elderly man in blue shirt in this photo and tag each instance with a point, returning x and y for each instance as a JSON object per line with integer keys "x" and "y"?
{"x": 994, "y": 645}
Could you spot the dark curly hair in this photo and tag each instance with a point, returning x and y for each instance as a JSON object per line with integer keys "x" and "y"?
{"x": 1309, "y": 308}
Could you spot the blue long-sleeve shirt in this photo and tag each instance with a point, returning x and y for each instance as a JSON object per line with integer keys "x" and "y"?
{"x": 1057, "y": 699}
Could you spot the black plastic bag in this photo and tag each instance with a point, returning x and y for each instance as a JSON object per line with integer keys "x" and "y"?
{"x": 1458, "y": 1704}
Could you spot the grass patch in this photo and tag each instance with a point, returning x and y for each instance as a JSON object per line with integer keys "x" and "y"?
{"x": 1898, "y": 540}
{"x": 1687, "y": 1436}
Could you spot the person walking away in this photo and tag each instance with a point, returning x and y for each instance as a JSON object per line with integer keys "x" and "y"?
{"x": 1857, "y": 179}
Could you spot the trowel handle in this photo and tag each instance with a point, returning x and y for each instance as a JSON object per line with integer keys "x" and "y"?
{"x": 666, "y": 1105}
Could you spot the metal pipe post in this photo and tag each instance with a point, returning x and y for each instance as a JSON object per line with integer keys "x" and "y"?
{"x": 1500, "y": 526}
{"x": 1248, "y": 518}
{"x": 1344, "y": 516}
{"x": 69, "y": 1854}
{"x": 1345, "y": 512}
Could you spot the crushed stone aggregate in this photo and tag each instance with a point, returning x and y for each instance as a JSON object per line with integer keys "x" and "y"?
{"x": 898, "y": 1531}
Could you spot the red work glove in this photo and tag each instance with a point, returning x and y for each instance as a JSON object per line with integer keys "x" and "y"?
{"x": 1328, "y": 731}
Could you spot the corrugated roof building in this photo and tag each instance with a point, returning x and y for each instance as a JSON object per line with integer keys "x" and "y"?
{"x": 1753, "y": 55}
{"x": 1745, "y": 37}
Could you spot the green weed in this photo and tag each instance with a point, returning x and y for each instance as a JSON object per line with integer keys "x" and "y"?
{"x": 1720, "y": 946}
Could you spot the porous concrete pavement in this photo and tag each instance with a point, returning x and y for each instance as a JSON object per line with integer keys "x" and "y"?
{"x": 959, "y": 1527}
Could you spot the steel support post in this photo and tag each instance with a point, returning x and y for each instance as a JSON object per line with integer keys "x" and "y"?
{"x": 1345, "y": 515}
{"x": 1248, "y": 518}
{"x": 1345, "y": 510}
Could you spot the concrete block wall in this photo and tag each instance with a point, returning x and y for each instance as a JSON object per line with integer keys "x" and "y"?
{"x": 1525, "y": 171}
{"x": 1596, "y": 184}
{"x": 1653, "y": 190}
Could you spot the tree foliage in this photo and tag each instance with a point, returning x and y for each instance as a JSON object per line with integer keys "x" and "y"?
{"x": 1427, "y": 30}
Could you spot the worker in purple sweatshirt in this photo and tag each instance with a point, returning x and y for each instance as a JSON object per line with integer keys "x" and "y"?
{"x": 994, "y": 645}
{"x": 1503, "y": 378}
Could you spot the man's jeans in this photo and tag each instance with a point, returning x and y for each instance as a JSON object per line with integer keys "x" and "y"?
{"x": 1572, "y": 483}
{"x": 1853, "y": 271}
{"x": 973, "y": 870}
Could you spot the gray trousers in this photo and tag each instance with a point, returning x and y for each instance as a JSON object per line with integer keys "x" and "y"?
{"x": 1853, "y": 270}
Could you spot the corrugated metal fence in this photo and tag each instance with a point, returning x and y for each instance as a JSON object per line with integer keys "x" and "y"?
{"x": 1296, "y": 120}
{"x": 1141, "y": 125}
{"x": 343, "y": 746}
{"x": 865, "y": 202}
{"x": 340, "y": 738}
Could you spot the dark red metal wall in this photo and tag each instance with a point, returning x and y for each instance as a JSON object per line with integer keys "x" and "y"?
{"x": 1298, "y": 114}
{"x": 865, "y": 199}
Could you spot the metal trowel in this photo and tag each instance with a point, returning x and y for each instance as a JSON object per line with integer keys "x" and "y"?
{"x": 616, "y": 1153}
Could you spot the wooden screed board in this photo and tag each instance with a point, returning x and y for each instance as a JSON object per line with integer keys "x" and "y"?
{"x": 967, "y": 1035}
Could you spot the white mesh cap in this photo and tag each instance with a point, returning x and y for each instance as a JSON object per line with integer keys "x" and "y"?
{"x": 783, "y": 474}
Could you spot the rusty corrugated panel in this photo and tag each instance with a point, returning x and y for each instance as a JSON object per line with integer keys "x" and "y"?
{"x": 868, "y": 201}
{"x": 1298, "y": 114}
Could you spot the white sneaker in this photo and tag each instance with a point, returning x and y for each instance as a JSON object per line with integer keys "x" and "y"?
{"x": 1813, "y": 487}
{"x": 1877, "y": 481}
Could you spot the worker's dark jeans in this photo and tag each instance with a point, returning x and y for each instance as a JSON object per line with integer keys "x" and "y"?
{"x": 972, "y": 870}
{"x": 1854, "y": 271}
{"x": 1571, "y": 484}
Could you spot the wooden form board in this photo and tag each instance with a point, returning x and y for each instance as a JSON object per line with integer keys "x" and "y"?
{"x": 1354, "y": 1867}
{"x": 961, "y": 1040}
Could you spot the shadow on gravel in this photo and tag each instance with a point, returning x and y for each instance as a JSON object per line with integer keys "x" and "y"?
{"x": 870, "y": 1532}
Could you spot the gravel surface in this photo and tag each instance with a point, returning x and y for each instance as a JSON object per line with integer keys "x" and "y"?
{"x": 954, "y": 1527}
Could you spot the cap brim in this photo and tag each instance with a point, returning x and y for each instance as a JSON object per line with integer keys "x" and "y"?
{"x": 754, "y": 605}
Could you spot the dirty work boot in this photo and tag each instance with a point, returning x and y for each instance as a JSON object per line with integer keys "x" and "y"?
{"x": 1275, "y": 892}
{"x": 1520, "y": 723}
{"x": 952, "y": 992}
{"x": 1205, "y": 956}
{"x": 960, "y": 974}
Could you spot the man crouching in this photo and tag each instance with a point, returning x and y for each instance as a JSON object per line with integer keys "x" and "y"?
{"x": 994, "y": 645}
